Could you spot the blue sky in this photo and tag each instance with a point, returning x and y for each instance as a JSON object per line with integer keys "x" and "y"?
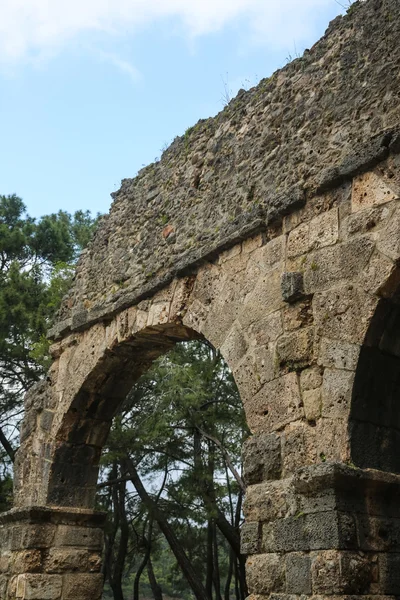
{"x": 92, "y": 90}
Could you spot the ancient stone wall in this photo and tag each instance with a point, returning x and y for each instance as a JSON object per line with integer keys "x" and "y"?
{"x": 309, "y": 126}
{"x": 289, "y": 205}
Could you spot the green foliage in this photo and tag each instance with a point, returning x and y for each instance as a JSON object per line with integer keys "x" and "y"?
{"x": 36, "y": 268}
{"x": 168, "y": 421}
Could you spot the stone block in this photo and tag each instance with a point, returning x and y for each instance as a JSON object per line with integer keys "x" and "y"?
{"x": 80, "y": 586}
{"x": 249, "y": 538}
{"x": 234, "y": 347}
{"x": 312, "y": 404}
{"x": 338, "y": 354}
{"x": 39, "y": 587}
{"x": 275, "y": 405}
{"x": 292, "y": 286}
{"x": 298, "y": 446}
{"x": 3, "y": 586}
{"x": 5, "y": 558}
{"x": 332, "y": 440}
{"x": 389, "y": 239}
{"x": 369, "y": 219}
{"x": 327, "y": 267}
{"x": 32, "y": 536}
{"x": 344, "y": 313}
{"x": 267, "y": 502}
{"x": 295, "y": 348}
{"x": 60, "y": 560}
{"x": 337, "y": 390}
{"x": 27, "y": 561}
{"x": 261, "y": 457}
{"x": 298, "y": 315}
{"x": 381, "y": 276}
{"x": 298, "y": 241}
{"x": 266, "y": 330}
{"x": 298, "y": 573}
{"x": 324, "y": 229}
{"x": 265, "y": 573}
{"x": 342, "y": 573}
{"x": 389, "y": 574}
{"x": 255, "y": 369}
{"x": 311, "y": 378}
{"x": 314, "y": 531}
{"x": 224, "y": 312}
{"x": 378, "y": 534}
{"x": 264, "y": 298}
{"x": 370, "y": 190}
{"x": 87, "y": 537}
{"x": 271, "y": 255}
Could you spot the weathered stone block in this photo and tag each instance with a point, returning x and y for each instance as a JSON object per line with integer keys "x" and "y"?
{"x": 342, "y": 573}
{"x": 296, "y": 347}
{"x": 324, "y": 229}
{"x": 39, "y": 587}
{"x": 234, "y": 347}
{"x": 298, "y": 241}
{"x": 269, "y": 501}
{"x": 266, "y": 330}
{"x": 389, "y": 573}
{"x": 337, "y": 388}
{"x": 265, "y": 573}
{"x": 338, "y": 354}
{"x": 343, "y": 313}
{"x": 249, "y": 538}
{"x": 81, "y": 586}
{"x": 61, "y": 560}
{"x": 312, "y": 404}
{"x": 264, "y": 298}
{"x": 298, "y": 573}
{"x": 275, "y": 405}
{"x": 370, "y": 190}
{"x": 32, "y": 536}
{"x": 342, "y": 262}
{"x": 389, "y": 240}
{"x": 317, "y": 531}
{"x": 311, "y": 378}
{"x": 261, "y": 457}
{"x": 270, "y": 255}
{"x": 297, "y": 315}
{"x": 68, "y": 535}
{"x": 27, "y": 561}
{"x": 298, "y": 446}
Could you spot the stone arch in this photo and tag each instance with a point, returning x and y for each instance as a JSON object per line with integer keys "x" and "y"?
{"x": 374, "y": 425}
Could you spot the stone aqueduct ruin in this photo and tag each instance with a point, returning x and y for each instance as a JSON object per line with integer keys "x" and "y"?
{"x": 272, "y": 231}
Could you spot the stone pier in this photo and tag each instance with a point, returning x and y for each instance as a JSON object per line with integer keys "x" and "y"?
{"x": 48, "y": 554}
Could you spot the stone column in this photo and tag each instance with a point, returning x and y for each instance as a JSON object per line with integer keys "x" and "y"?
{"x": 51, "y": 554}
{"x": 328, "y": 530}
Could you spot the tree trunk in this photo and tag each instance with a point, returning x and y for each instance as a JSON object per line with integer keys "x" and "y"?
{"x": 210, "y": 561}
{"x": 155, "y": 587}
{"x": 7, "y": 446}
{"x": 216, "y": 577}
{"x": 180, "y": 555}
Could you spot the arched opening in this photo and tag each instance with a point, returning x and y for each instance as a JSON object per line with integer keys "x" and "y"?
{"x": 374, "y": 425}
{"x": 193, "y": 476}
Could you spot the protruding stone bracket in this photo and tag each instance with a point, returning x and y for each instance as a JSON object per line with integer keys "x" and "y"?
{"x": 292, "y": 285}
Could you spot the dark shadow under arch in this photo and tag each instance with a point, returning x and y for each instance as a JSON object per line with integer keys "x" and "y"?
{"x": 374, "y": 424}
{"x": 86, "y": 425}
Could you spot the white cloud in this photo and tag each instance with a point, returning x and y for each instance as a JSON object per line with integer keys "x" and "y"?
{"x": 121, "y": 64}
{"x": 36, "y": 27}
